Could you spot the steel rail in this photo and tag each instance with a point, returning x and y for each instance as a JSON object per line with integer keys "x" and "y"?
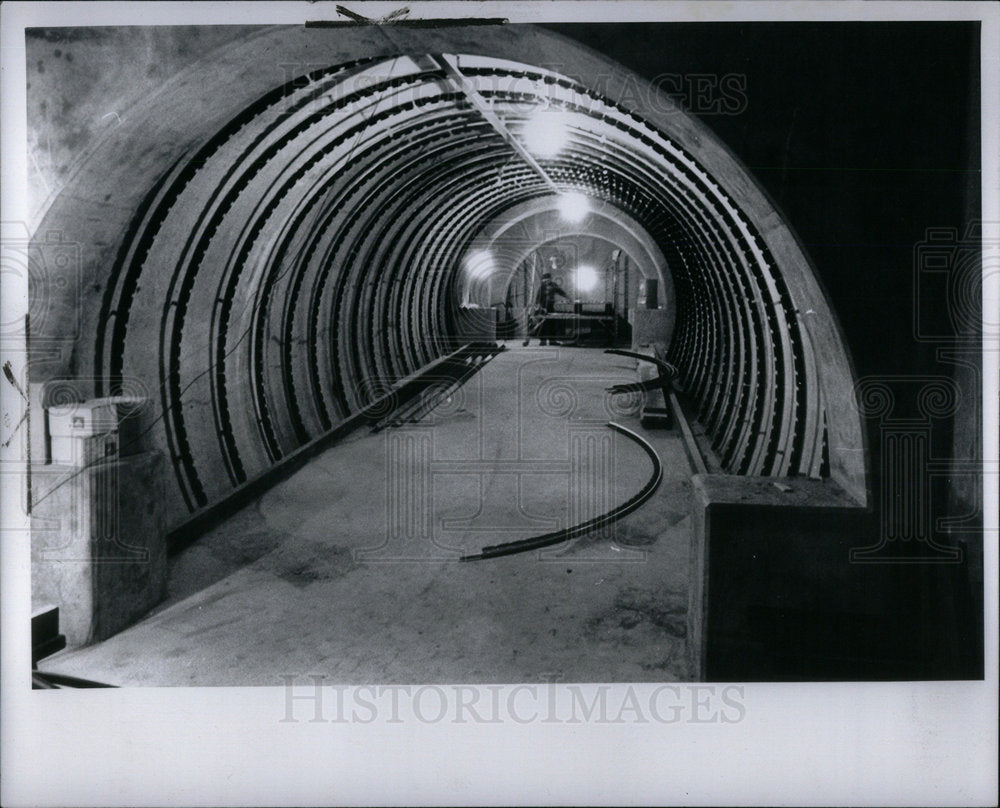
{"x": 559, "y": 536}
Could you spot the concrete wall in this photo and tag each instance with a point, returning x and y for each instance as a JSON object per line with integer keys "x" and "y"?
{"x": 779, "y": 592}
{"x": 99, "y": 549}
{"x": 77, "y": 95}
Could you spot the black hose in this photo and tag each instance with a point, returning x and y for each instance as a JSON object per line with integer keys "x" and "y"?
{"x": 548, "y": 539}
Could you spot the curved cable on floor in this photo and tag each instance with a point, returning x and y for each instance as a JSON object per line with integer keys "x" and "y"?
{"x": 558, "y": 536}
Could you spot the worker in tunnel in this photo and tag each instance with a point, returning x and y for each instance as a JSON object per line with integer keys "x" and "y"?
{"x": 544, "y": 305}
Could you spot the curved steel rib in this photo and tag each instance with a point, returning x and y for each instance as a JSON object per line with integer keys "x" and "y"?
{"x": 548, "y": 539}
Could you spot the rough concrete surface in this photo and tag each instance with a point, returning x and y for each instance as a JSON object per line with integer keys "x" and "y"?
{"x": 349, "y": 569}
{"x": 98, "y": 555}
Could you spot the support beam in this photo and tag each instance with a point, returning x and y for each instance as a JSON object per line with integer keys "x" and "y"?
{"x": 469, "y": 91}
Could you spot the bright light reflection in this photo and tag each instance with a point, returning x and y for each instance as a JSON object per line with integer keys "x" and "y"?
{"x": 546, "y": 133}
{"x": 573, "y": 206}
{"x": 586, "y": 278}
{"x": 479, "y": 264}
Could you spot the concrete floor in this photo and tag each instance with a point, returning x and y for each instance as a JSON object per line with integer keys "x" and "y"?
{"x": 349, "y": 568}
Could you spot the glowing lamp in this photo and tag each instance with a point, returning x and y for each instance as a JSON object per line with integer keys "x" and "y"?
{"x": 573, "y": 206}
{"x": 546, "y": 133}
{"x": 586, "y": 278}
{"x": 479, "y": 264}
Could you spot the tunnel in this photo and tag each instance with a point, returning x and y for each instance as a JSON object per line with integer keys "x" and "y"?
{"x": 277, "y": 234}
{"x": 300, "y": 250}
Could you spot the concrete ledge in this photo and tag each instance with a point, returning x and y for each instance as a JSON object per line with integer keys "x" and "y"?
{"x": 784, "y": 492}
{"x": 775, "y": 595}
{"x": 98, "y": 548}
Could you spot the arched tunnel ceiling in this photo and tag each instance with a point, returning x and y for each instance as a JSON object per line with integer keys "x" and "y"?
{"x": 277, "y": 261}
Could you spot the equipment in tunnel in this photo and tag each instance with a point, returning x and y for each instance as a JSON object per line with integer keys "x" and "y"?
{"x": 541, "y": 312}
{"x": 594, "y": 305}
